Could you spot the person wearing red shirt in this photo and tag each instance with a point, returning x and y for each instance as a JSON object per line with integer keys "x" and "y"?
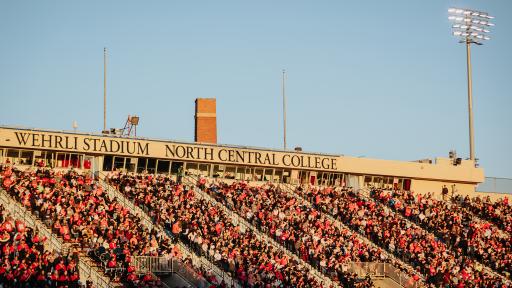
{"x": 74, "y": 277}
{"x": 41, "y": 279}
{"x": 63, "y": 278}
{"x": 7, "y": 226}
{"x": 10, "y": 276}
{"x": 60, "y": 266}
{"x": 54, "y": 277}
{"x": 20, "y": 226}
{"x": 147, "y": 278}
{"x": 131, "y": 277}
{"x": 112, "y": 263}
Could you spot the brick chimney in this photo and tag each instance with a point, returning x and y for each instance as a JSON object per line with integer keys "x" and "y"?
{"x": 206, "y": 120}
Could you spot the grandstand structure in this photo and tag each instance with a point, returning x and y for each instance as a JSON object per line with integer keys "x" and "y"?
{"x": 137, "y": 212}
{"x": 99, "y": 152}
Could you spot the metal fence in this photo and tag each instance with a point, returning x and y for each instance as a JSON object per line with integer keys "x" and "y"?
{"x": 495, "y": 185}
{"x": 384, "y": 270}
{"x": 153, "y": 264}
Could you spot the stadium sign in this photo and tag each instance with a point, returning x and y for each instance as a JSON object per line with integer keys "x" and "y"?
{"x": 82, "y": 143}
{"x": 244, "y": 156}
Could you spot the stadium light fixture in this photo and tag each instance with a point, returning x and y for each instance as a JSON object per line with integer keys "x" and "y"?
{"x": 470, "y": 27}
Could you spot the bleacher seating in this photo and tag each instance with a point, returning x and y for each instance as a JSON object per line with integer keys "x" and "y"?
{"x": 422, "y": 249}
{"x": 457, "y": 242}
{"x": 498, "y": 212}
{"x": 209, "y": 231}
{"x": 456, "y": 225}
{"x": 303, "y": 230}
{"x": 77, "y": 209}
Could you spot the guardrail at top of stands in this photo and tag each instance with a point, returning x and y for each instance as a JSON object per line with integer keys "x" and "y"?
{"x": 495, "y": 185}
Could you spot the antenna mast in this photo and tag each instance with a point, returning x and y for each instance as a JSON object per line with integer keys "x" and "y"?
{"x": 284, "y": 110}
{"x": 104, "y": 89}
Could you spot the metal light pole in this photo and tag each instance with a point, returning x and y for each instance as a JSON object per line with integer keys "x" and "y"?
{"x": 471, "y": 27}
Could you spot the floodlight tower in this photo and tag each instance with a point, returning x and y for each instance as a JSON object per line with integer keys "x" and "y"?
{"x": 471, "y": 27}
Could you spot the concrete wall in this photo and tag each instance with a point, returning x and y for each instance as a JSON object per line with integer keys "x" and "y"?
{"x": 441, "y": 170}
{"x": 426, "y": 186}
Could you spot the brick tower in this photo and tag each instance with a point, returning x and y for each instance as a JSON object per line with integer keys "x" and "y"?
{"x": 206, "y": 120}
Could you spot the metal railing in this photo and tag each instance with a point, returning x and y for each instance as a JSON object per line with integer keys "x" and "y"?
{"x": 88, "y": 271}
{"x": 495, "y": 185}
{"x": 383, "y": 270}
{"x": 144, "y": 264}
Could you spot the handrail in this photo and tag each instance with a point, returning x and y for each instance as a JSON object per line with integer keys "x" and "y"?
{"x": 497, "y": 185}
{"x": 148, "y": 223}
{"x": 241, "y": 221}
{"x": 383, "y": 270}
{"x": 86, "y": 269}
{"x": 154, "y": 264}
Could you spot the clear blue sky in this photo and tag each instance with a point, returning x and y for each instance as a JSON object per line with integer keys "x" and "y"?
{"x": 380, "y": 79}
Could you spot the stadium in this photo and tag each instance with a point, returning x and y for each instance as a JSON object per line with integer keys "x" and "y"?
{"x": 110, "y": 208}
{"x": 123, "y": 210}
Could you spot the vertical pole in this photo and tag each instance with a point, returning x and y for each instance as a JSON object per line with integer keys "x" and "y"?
{"x": 470, "y": 102}
{"x": 105, "y": 89}
{"x": 284, "y": 110}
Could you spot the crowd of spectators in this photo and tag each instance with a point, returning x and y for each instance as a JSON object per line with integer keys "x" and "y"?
{"x": 300, "y": 228}
{"x": 441, "y": 266}
{"x": 209, "y": 231}
{"x": 444, "y": 246}
{"x": 78, "y": 210}
{"x": 498, "y": 212}
{"x": 455, "y": 224}
{"x": 24, "y": 261}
